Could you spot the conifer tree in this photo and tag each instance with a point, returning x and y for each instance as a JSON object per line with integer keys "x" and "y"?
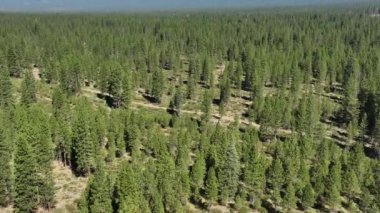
{"x": 6, "y": 99}
{"x": 127, "y": 190}
{"x": 254, "y": 171}
{"x": 198, "y": 173}
{"x": 13, "y": 60}
{"x": 5, "y": 165}
{"x": 28, "y": 90}
{"x": 308, "y": 196}
{"x": 58, "y": 101}
{"x": 25, "y": 187}
{"x": 229, "y": 172}
{"x": 211, "y": 186}
{"x": 40, "y": 139}
{"x": 158, "y": 85}
{"x": 275, "y": 178}
{"x": 206, "y": 105}
{"x": 114, "y": 83}
{"x": 99, "y": 191}
{"x": 206, "y": 70}
{"x": 83, "y": 146}
{"x": 127, "y": 89}
{"x": 290, "y": 197}
{"x": 177, "y": 100}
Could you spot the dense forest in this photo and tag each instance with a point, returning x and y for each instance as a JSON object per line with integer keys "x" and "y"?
{"x": 242, "y": 111}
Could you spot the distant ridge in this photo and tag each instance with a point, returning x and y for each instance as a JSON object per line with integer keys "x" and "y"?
{"x": 138, "y": 5}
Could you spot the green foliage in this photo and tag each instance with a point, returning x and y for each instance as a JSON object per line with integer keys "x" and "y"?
{"x": 28, "y": 90}
{"x": 158, "y": 85}
{"x": 211, "y": 186}
{"x": 5, "y": 165}
{"x": 26, "y": 177}
{"x": 83, "y": 140}
{"x": 307, "y": 79}
{"x": 229, "y": 172}
{"x": 6, "y": 96}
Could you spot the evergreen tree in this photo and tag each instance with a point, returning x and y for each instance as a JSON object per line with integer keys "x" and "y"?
{"x": 28, "y": 90}
{"x": 127, "y": 190}
{"x": 127, "y": 89}
{"x": 198, "y": 173}
{"x": 25, "y": 187}
{"x": 275, "y": 178}
{"x": 13, "y": 60}
{"x": 229, "y": 172}
{"x": 6, "y": 98}
{"x": 254, "y": 171}
{"x": 308, "y": 196}
{"x": 5, "y": 165}
{"x": 39, "y": 136}
{"x": 176, "y": 103}
{"x": 83, "y": 146}
{"x": 99, "y": 192}
{"x": 158, "y": 85}
{"x": 114, "y": 83}
{"x": 58, "y": 101}
{"x": 211, "y": 186}
{"x": 206, "y": 105}
{"x": 206, "y": 70}
{"x": 290, "y": 197}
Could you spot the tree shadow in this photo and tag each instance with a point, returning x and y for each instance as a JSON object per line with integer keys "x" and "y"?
{"x": 216, "y": 101}
{"x": 109, "y": 99}
{"x": 150, "y": 98}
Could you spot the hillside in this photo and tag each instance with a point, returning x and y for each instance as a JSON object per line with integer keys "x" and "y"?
{"x": 198, "y": 112}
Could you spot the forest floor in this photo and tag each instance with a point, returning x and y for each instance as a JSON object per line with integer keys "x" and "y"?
{"x": 68, "y": 187}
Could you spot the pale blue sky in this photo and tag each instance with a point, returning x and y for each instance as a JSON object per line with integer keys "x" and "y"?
{"x": 120, "y": 5}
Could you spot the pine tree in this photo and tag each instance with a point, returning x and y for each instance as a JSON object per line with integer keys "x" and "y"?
{"x": 39, "y": 136}
{"x": 290, "y": 197}
{"x": 83, "y": 146}
{"x": 229, "y": 172}
{"x": 127, "y": 190}
{"x": 211, "y": 186}
{"x": 127, "y": 89}
{"x": 351, "y": 184}
{"x": 158, "y": 85}
{"x": 206, "y": 105}
{"x": 177, "y": 100}
{"x": 74, "y": 85}
{"x": 6, "y": 99}
{"x": 206, "y": 70}
{"x": 191, "y": 84}
{"x": 25, "y": 187}
{"x": 275, "y": 178}
{"x": 99, "y": 192}
{"x": 254, "y": 171}
{"x": 114, "y": 83}
{"x": 58, "y": 101}
{"x": 28, "y": 90}
{"x": 5, "y": 165}
{"x": 198, "y": 173}
{"x": 13, "y": 60}
{"x": 350, "y": 102}
{"x": 308, "y": 196}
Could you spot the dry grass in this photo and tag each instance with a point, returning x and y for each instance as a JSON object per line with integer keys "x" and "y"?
{"x": 68, "y": 188}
